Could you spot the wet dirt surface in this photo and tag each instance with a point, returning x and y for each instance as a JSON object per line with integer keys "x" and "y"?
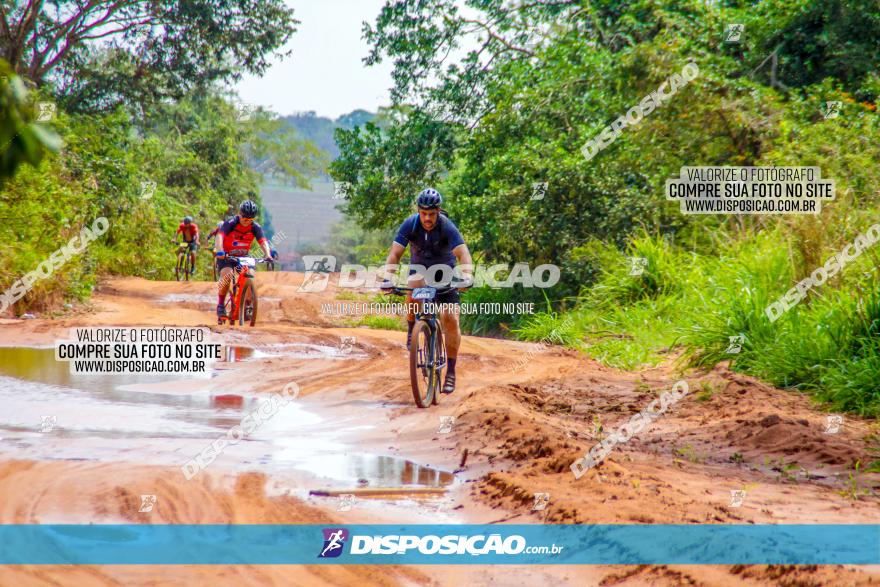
{"x": 53, "y": 414}
{"x": 515, "y": 434}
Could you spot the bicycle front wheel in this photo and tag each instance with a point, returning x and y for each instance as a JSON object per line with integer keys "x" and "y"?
{"x": 247, "y": 313}
{"x": 421, "y": 364}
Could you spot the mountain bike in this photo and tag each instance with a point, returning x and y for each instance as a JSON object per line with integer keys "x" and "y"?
{"x": 241, "y": 300}
{"x": 427, "y": 351}
{"x": 185, "y": 263}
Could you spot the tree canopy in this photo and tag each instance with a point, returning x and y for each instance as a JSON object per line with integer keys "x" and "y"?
{"x": 98, "y": 54}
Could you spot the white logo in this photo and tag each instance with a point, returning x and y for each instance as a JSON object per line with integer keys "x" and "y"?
{"x": 341, "y": 190}
{"x": 539, "y": 190}
{"x": 147, "y": 503}
{"x": 45, "y": 111}
{"x": 442, "y": 545}
{"x": 48, "y": 423}
{"x": 638, "y": 112}
{"x": 541, "y": 501}
{"x": 736, "y": 497}
{"x": 637, "y": 265}
{"x": 833, "y": 424}
{"x": 346, "y": 502}
{"x": 736, "y": 343}
{"x": 318, "y": 269}
{"x": 446, "y": 423}
{"x": 148, "y": 188}
{"x": 831, "y": 109}
{"x": 244, "y": 111}
{"x": 733, "y": 32}
{"x": 346, "y": 344}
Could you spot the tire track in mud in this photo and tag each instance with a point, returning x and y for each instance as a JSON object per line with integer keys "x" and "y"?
{"x": 521, "y": 429}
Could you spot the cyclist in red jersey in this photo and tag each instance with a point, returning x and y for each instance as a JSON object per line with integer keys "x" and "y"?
{"x": 190, "y": 232}
{"x": 235, "y": 238}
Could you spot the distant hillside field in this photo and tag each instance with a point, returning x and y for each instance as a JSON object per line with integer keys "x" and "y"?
{"x": 319, "y": 129}
{"x": 304, "y": 216}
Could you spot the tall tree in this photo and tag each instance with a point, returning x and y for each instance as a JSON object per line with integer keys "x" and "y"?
{"x": 99, "y": 53}
{"x": 22, "y": 139}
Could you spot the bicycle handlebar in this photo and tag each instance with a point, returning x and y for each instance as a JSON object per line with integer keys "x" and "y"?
{"x": 263, "y": 260}
{"x": 401, "y": 291}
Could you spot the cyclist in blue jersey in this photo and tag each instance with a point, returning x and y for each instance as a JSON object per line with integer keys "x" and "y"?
{"x": 434, "y": 241}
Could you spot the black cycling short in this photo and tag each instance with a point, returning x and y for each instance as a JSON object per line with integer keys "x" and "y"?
{"x": 450, "y": 297}
{"x": 223, "y": 262}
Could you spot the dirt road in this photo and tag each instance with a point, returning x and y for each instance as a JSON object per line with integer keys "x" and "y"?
{"x": 520, "y": 428}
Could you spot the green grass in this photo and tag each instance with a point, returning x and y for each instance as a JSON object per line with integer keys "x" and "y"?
{"x": 378, "y": 322}
{"x": 690, "y": 304}
{"x": 354, "y": 296}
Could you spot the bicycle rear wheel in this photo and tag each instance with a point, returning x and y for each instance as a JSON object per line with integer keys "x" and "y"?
{"x": 247, "y": 313}
{"x": 440, "y": 360}
{"x": 421, "y": 364}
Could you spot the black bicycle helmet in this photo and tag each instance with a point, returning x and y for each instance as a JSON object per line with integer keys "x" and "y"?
{"x": 429, "y": 199}
{"x": 187, "y": 219}
{"x": 248, "y": 209}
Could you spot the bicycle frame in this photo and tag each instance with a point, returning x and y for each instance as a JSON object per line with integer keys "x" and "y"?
{"x": 185, "y": 262}
{"x": 430, "y": 358}
{"x": 242, "y": 274}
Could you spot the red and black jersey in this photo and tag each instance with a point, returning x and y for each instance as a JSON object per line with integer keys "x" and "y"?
{"x": 238, "y": 238}
{"x": 189, "y": 232}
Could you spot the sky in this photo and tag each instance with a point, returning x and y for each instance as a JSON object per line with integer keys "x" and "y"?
{"x": 325, "y": 72}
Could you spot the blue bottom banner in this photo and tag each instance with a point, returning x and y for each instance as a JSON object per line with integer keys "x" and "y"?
{"x": 223, "y": 544}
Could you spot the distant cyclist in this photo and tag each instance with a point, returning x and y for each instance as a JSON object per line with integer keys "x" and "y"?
{"x": 235, "y": 238}
{"x": 214, "y": 232}
{"x": 433, "y": 239}
{"x": 190, "y": 232}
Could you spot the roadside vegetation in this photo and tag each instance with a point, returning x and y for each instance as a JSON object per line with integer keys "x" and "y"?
{"x": 547, "y": 77}
{"x": 140, "y": 131}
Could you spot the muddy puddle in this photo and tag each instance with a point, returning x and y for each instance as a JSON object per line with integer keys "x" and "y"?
{"x": 345, "y": 350}
{"x": 50, "y": 414}
{"x": 209, "y": 299}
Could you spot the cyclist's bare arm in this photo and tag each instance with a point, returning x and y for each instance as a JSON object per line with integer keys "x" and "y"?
{"x": 218, "y": 241}
{"x": 463, "y": 256}
{"x": 392, "y": 261}
{"x": 267, "y": 252}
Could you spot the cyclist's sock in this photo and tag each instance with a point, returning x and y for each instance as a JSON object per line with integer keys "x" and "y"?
{"x": 221, "y": 300}
{"x": 450, "y": 365}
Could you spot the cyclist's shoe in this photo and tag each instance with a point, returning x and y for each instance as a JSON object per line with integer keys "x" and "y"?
{"x": 449, "y": 384}
{"x": 221, "y": 311}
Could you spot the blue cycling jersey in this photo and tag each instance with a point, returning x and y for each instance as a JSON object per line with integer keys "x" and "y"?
{"x": 432, "y": 247}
